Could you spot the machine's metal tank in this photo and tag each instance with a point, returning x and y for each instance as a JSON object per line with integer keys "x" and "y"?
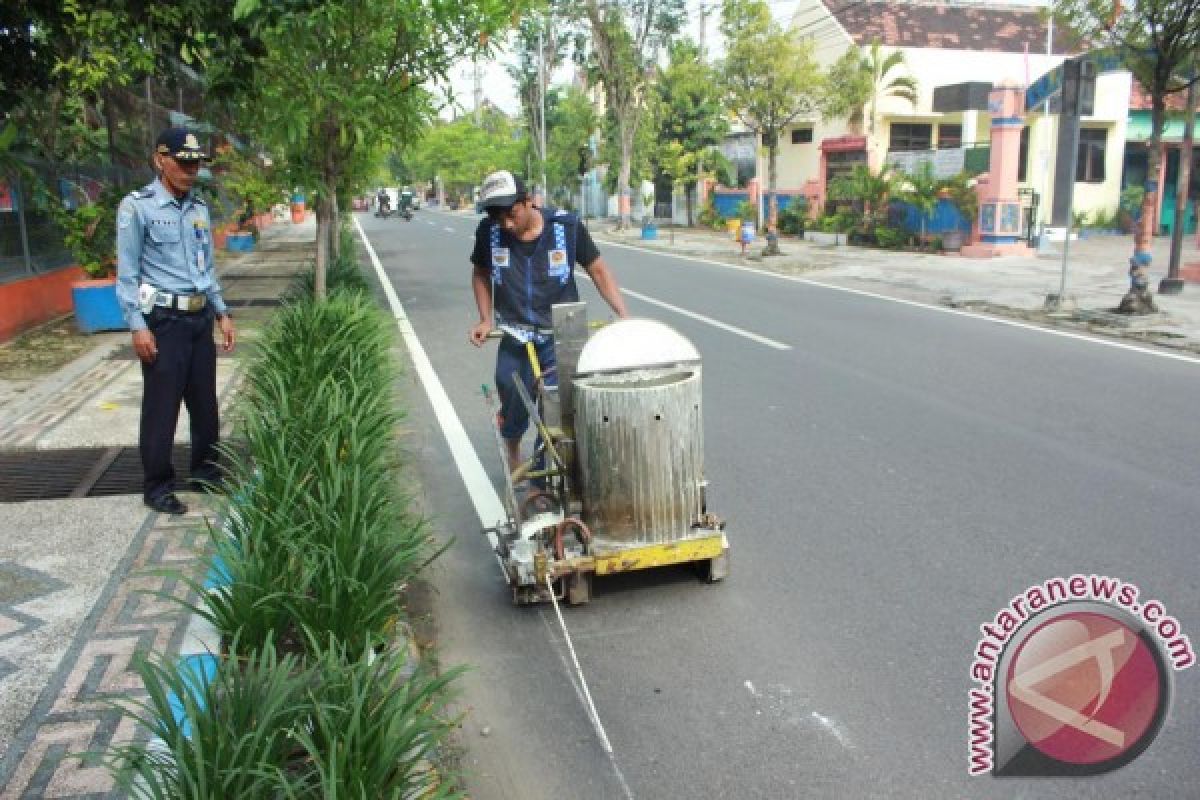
{"x": 640, "y": 434}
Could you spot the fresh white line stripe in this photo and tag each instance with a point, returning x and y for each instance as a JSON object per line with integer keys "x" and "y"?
{"x": 479, "y": 486}
{"x": 448, "y": 228}
{"x": 916, "y": 304}
{"x": 706, "y": 320}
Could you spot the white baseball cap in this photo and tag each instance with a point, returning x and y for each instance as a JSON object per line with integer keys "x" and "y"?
{"x": 501, "y": 189}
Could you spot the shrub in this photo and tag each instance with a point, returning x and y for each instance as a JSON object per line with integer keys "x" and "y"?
{"x": 890, "y": 238}
{"x": 709, "y": 217}
{"x": 828, "y": 223}
{"x": 746, "y": 212}
{"x": 791, "y": 219}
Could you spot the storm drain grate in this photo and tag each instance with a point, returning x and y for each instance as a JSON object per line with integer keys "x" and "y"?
{"x": 79, "y": 472}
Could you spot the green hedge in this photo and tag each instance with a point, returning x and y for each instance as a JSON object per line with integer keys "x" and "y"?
{"x": 311, "y": 700}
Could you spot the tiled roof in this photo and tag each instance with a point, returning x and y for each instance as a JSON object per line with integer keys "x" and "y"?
{"x": 1139, "y": 99}
{"x": 1003, "y": 29}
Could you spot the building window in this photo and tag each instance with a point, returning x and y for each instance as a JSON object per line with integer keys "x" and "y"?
{"x": 949, "y": 136}
{"x": 1023, "y": 158}
{"x": 911, "y": 136}
{"x": 802, "y": 136}
{"x": 1089, "y": 167}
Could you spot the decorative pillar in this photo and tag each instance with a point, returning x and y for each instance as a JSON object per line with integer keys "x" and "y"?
{"x": 999, "y": 218}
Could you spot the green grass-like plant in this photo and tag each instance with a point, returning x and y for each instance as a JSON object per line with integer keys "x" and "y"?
{"x": 235, "y": 738}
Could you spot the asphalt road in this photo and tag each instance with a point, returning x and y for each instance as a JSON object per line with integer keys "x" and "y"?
{"x": 890, "y": 479}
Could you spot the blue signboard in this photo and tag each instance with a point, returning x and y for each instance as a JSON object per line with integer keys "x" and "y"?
{"x": 1050, "y": 84}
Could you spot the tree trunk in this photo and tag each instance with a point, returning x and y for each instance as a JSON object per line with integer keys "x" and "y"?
{"x": 1183, "y": 183}
{"x": 687, "y": 199}
{"x": 624, "y": 194}
{"x": 1144, "y": 235}
{"x": 335, "y": 230}
{"x": 319, "y": 269}
{"x": 772, "y": 201}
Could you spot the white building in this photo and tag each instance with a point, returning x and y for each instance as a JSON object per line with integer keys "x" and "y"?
{"x": 945, "y": 44}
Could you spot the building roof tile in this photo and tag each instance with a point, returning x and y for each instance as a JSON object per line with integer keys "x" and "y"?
{"x": 943, "y": 26}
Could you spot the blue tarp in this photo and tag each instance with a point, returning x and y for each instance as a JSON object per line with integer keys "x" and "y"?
{"x": 726, "y": 203}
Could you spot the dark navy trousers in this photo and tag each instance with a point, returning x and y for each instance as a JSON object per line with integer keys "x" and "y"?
{"x": 185, "y": 370}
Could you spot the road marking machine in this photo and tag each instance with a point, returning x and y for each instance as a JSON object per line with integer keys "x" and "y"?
{"x": 617, "y": 476}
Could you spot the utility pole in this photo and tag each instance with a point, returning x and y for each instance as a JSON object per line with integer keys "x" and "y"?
{"x": 477, "y": 90}
{"x": 542, "y": 101}
{"x": 703, "y": 28}
{"x": 1172, "y": 284}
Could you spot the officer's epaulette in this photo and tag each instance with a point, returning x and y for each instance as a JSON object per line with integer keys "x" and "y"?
{"x": 143, "y": 193}
{"x": 562, "y": 212}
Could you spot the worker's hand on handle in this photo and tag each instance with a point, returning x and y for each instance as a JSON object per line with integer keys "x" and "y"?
{"x": 145, "y": 346}
{"x": 479, "y": 334}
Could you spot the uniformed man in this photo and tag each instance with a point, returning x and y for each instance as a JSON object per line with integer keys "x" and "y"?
{"x": 170, "y": 296}
{"x": 523, "y": 263}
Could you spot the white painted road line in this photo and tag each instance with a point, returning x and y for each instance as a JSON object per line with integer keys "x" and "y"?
{"x": 716, "y": 323}
{"x": 479, "y": 487}
{"x": 1012, "y": 323}
{"x": 448, "y": 228}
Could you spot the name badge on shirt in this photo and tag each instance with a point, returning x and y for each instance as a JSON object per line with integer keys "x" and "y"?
{"x": 558, "y": 263}
{"x": 201, "y": 231}
{"x": 500, "y": 256}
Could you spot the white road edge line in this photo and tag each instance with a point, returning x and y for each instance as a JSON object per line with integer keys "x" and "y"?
{"x": 716, "y": 323}
{"x": 917, "y": 304}
{"x": 479, "y": 487}
{"x": 447, "y": 228}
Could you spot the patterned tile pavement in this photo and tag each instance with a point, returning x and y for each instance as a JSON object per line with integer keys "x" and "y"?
{"x": 52, "y": 753}
{"x": 74, "y": 716}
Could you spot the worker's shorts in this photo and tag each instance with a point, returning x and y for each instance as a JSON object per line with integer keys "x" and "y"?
{"x": 512, "y": 357}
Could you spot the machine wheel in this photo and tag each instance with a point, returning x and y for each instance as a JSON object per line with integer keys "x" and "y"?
{"x": 714, "y": 569}
{"x": 579, "y": 588}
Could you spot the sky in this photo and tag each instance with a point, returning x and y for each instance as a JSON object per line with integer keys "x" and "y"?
{"x": 499, "y": 89}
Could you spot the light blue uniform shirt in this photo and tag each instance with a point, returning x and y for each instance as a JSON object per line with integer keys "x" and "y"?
{"x": 166, "y": 243}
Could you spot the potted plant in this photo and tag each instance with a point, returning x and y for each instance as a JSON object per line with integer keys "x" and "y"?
{"x": 89, "y": 232}
{"x": 649, "y": 229}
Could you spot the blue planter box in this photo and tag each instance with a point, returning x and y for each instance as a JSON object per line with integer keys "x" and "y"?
{"x": 240, "y": 242}
{"x": 96, "y": 307}
{"x": 649, "y": 231}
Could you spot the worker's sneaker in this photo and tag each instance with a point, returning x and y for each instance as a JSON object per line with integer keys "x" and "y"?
{"x": 167, "y": 504}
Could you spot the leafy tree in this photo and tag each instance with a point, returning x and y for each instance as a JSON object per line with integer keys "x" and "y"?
{"x": 571, "y": 120}
{"x": 626, "y": 39}
{"x": 344, "y": 76}
{"x": 867, "y": 189}
{"x": 460, "y": 153}
{"x": 691, "y": 116}
{"x": 540, "y": 47}
{"x": 769, "y": 78}
{"x": 921, "y": 190}
{"x": 860, "y": 80}
{"x": 1158, "y": 41}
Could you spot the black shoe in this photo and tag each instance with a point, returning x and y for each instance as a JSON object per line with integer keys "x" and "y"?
{"x": 167, "y": 504}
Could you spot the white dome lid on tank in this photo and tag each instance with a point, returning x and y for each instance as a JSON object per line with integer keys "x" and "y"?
{"x": 634, "y": 344}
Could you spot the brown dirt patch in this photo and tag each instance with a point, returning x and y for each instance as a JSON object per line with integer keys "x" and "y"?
{"x": 43, "y": 349}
